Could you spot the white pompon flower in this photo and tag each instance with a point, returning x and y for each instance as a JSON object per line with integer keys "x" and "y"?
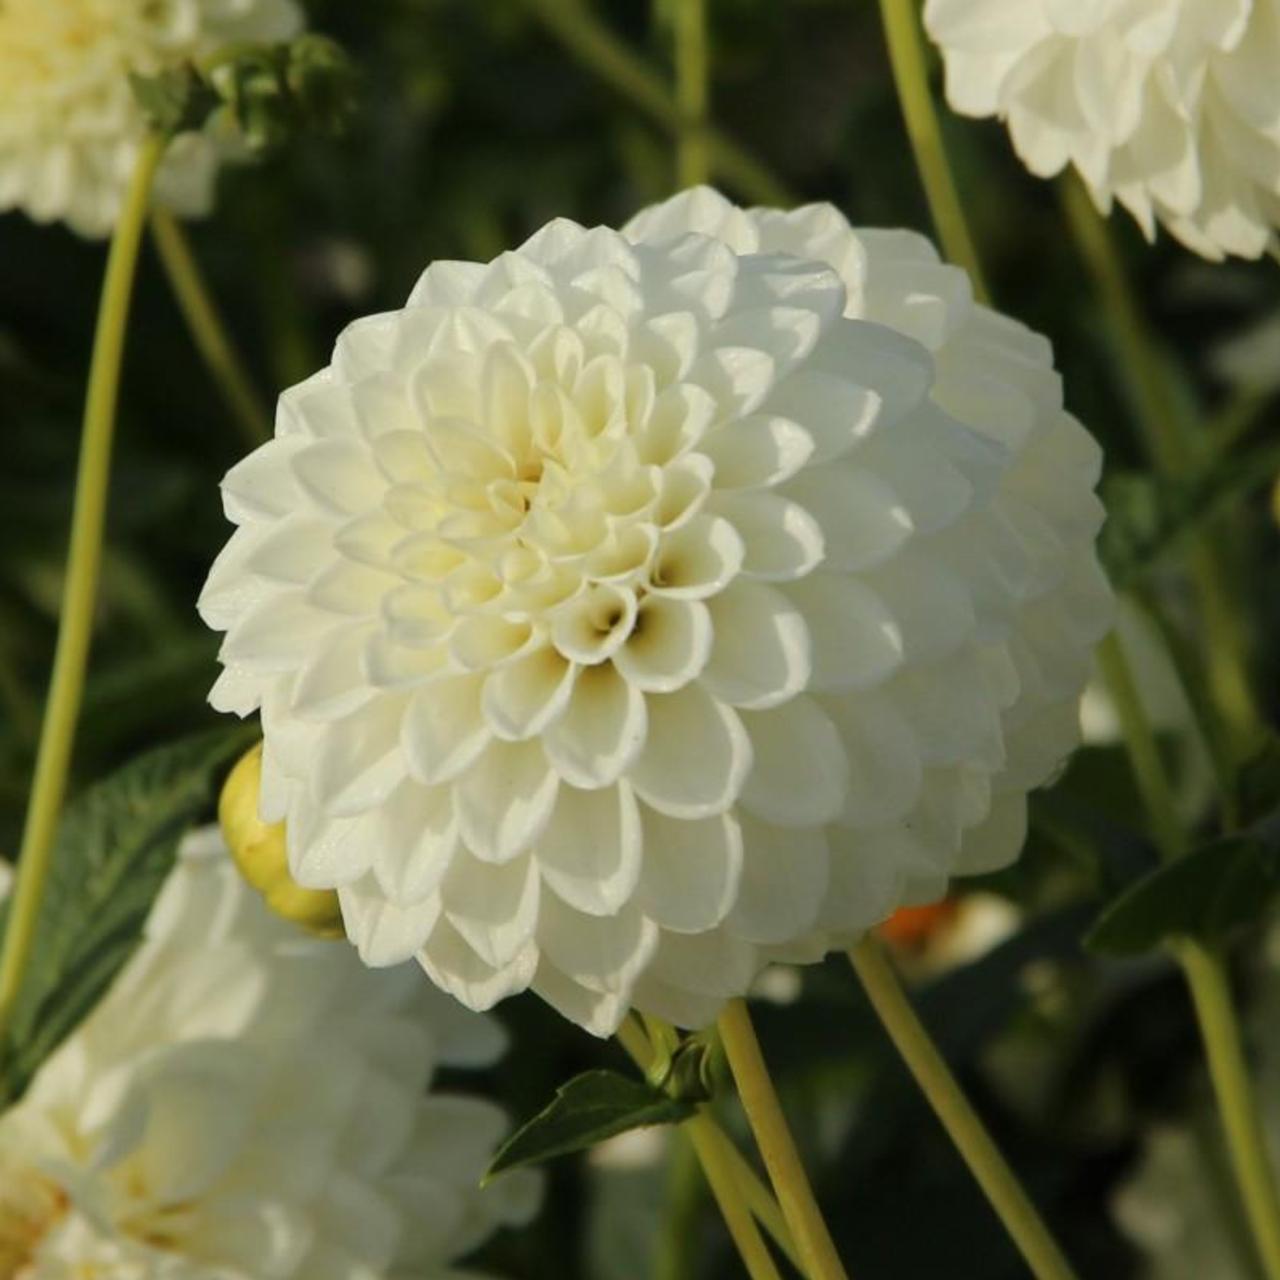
{"x": 70, "y": 129}
{"x": 637, "y": 609}
{"x": 1171, "y": 107}
{"x": 248, "y": 1103}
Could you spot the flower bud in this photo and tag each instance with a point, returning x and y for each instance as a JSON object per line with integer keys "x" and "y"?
{"x": 258, "y": 849}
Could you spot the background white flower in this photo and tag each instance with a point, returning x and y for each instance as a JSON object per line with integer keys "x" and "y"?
{"x": 70, "y": 128}
{"x": 1171, "y": 107}
{"x": 248, "y": 1103}
{"x": 637, "y": 609}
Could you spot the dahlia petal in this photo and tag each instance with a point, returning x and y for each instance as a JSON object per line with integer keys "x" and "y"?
{"x": 414, "y": 840}
{"x": 451, "y": 964}
{"x": 590, "y": 850}
{"x": 494, "y": 907}
{"x": 600, "y": 1013}
{"x": 862, "y": 520}
{"x": 690, "y": 871}
{"x": 601, "y": 953}
{"x": 591, "y": 628}
{"x": 781, "y": 539}
{"x": 760, "y": 655}
{"x": 601, "y": 731}
{"x": 698, "y": 559}
{"x": 384, "y": 934}
{"x": 521, "y": 699}
{"x": 444, "y": 728}
{"x": 339, "y": 476}
{"x": 783, "y": 882}
{"x": 696, "y": 755}
{"x": 800, "y": 770}
{"x": 886, "y": 769}
{"x": 855, "y": 641}
{"x": 332, "y": 684}
{"x": 713, "y": 964}
{"x": 757, "y": 451}
{"x": 504, "y": 799}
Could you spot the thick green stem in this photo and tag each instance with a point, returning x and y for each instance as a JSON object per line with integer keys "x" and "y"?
{"x": 910, "y": 75}
{"x": 777, "y": 1147}
{"x": 990, "y": 1169}
{"x": 1206, "y": 975}
{"x": 207, "y": 329}
{"x": 693, "y": 162}
{"x": 598, "y": 49}
{"x": 79, "y": 593}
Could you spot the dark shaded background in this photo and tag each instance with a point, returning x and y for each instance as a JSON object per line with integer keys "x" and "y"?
{"x": 475, "y": 127}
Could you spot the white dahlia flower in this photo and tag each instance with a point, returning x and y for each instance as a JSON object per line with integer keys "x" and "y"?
{"x": 250, "y": 1104}
{"x": 639, "y": 608}
{"x": 70, "y": 128}
{"x": 1171, "y": 107}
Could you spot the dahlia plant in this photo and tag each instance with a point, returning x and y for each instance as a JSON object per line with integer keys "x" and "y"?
{"x": 629, "y": 615}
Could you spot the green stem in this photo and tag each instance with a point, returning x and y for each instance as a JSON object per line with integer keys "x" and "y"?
{"x": 641, "y": 1047}
{"x": 777, "y": 1147}
{"x": 910, "y": 75}
{"x": 1143, "y": 750}
{"x": 1157, "y": 412}
{"x": 207, "y": 329}
{"x": 682, "y": 1210}
{"x": 693, "y": 162}
{"x": 1164, "y": 428}
{"x": 733, "y": 1207}
{"x": 1206, "y": 976}
{"x": 599, "y": 50}
{"x": 1211, "y": 993}
{"x": 990, "y": 1169}
{"x": 80, "y": 588}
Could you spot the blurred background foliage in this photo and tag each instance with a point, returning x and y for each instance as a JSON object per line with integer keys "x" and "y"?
{"x": 475, "y": 127}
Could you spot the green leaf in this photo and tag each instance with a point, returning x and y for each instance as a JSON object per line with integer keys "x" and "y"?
{"x": 1206, "y": 895}
{"x": 115, "y": 846}
{"x": 590, "y": 1108}
{"x": 1257, "y": 783}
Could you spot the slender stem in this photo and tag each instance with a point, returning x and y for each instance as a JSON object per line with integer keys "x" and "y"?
{"x": 1164, "y": 427}
{"x": 693, "y": 161}
{"x": 80, "y": 588}
{"x": 926, "y": 1064}
{"x": 724, "y": 1186}
{"x": 1207, "y": 977}
{"x": 682, "y": 1210}
{"x": 598, "y": 49}
{"x": 764, "y": 1112}
{"x": 1144, "y": 752}
{"x": 910, "y": 75}
{"x": 1156, "y": 410}
{"x": 632, "y": 1037}
{"x": 1211, "y": 993}
{"x": 1213, "y": 731}
{"x": 759, "y": 1198}
{"x": 207, "y": 329}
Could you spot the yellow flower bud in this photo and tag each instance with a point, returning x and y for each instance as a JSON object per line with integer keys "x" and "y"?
{"x": 258, "y": 849}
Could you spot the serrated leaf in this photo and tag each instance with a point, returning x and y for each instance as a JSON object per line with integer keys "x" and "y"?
{"x": 588, "y": 1109}
{"x": 1205, "y": 895}
{"x": 115, "y": 846}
